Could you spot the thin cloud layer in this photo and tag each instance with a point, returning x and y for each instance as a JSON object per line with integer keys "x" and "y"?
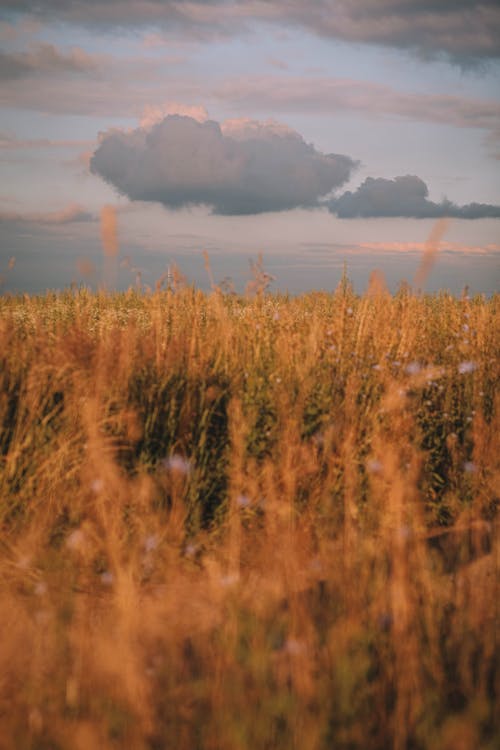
{"x": 406, "y": 197}
{"x": 67, "y": 215}
{"x": 244, "y": 167}
{"x": 45, "y": 59}
{"x": 10, "y": 142}
{"x": 462, "y": 31}
{"x": 332, "y": 95}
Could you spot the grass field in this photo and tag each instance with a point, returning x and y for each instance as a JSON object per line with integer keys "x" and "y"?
{"x": 248, "y": 523}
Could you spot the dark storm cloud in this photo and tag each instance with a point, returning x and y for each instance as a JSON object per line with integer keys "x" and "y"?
{"x": 241, "y": 167}
{"x": 464, "y": 31}
{"x": 403, "y": 197}
{"x": 44, "y": 58}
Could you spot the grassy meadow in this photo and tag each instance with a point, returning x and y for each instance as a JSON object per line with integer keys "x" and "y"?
{"x": 249, "y": 522}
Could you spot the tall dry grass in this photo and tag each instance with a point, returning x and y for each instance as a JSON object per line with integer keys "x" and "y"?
{"x": 235, "y": 523}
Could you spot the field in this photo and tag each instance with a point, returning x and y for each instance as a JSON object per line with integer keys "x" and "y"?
{"x": 249, "y": 523}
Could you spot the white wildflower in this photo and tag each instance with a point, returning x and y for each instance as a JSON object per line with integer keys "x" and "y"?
{"x": 243, "y": 501}
{"x": 177, "y": 463}
{"x": 151, "y": 543}
{"x": 466, "y": 367}
{"x": 413, "y": 368}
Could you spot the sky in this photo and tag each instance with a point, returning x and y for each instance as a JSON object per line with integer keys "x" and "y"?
{"x": 321, "y": 135}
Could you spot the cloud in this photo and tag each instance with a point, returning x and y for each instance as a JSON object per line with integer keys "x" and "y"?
{"x": 67, "y": 215}
{"x": 327, "y": 94}
{"x": 419, "y": 247}
{"x": 153, "y": 114}
{"x": 333, "y": 95}
{"x": 45, "y": 59}
{"x": 109, "y": 85}
{"x": 12, "y": 143}
{"x": 462, "y": 31}
{"x": 404, "y": 196}
{"x": 242, "y": 167}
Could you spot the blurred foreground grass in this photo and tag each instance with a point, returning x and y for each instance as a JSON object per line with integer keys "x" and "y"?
{"x": 243, "y": 524}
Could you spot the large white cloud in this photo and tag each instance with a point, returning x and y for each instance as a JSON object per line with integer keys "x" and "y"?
{"x": 405, "y": 196}
{"x": 243, "y": 167}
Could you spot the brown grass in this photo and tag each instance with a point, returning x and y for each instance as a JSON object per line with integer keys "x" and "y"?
{"x": 237, "y": 524}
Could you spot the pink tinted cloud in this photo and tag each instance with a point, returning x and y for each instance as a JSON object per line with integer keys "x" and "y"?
{"x": 71, "y": 213}
{"x": 333, "y": 95}
{"x": 320, "y": 94}
{"x": 420, "y": 247}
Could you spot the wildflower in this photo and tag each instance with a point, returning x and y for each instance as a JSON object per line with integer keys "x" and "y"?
{"x": 107, "y": 578}
{"x": 466, "y": 367}
{"x": 413, "y": 368}
{"x": 40, "y": 588}
{"x": 190, "y": 550}
{"x": 76, "y": 540}
{"x": 151, "y": 543}
{"x": 96, "y": 485}
{"x": 470, "y": 467}
{"x": 404, "y": 532}
{"x": 374, "y": 466}
{"x": 24, "y": 562}
{"x": 293, "y": 647}
{"x": 349, "y": 311}
{"x": 177, "y": 463}
{"x": 243, "y": 501}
